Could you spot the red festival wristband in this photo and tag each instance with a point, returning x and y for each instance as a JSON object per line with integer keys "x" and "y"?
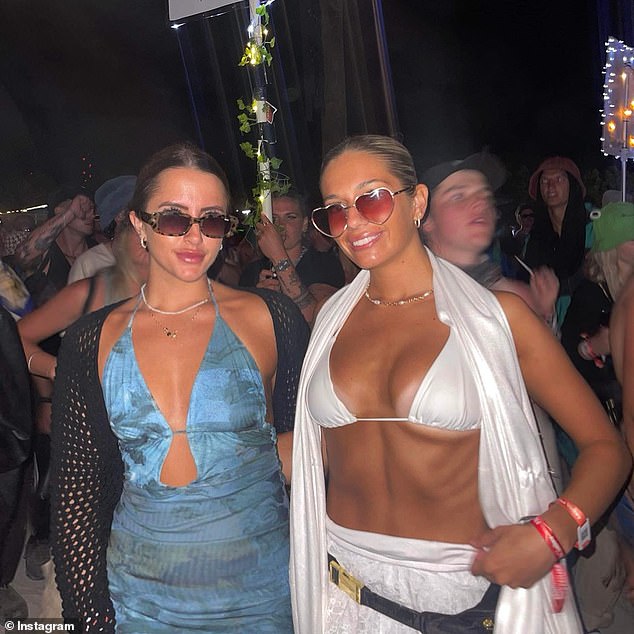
{"x": 584, "y": 533}
{"x": 558, "y": 573}
{"x": 549, "y": 537}
{"x": 598, "y": 360}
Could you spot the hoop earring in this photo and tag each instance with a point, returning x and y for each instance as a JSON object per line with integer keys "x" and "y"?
{"x": 143, "y": 242}
{"x": 417, "y": 223}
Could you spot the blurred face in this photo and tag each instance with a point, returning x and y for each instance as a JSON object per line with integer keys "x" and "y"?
{"x": 526, "y": 219}
{"x": 290, "y": 222}
{"x": 462, "y": 217}
{"x": 84, "y": 223}
{"x": 368, "y": 245}
{"x": 625, "y": 252}
{"x": 554, "y": 187}
{"x": 193, "y": 193}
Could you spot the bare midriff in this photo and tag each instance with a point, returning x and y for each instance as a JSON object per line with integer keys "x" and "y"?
{"x": 404, "y": 479}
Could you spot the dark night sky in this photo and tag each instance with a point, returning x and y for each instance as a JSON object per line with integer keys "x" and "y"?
{"x": 106, "y": 79}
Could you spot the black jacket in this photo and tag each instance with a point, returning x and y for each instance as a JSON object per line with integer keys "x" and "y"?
{"x": 16, "y": 423}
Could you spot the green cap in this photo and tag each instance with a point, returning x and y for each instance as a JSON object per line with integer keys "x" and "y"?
{"x": 613, "y": 226}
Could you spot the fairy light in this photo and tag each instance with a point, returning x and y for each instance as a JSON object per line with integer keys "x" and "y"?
{"x": 618, "y": 100}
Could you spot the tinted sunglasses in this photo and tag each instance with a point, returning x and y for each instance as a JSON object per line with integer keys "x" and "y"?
{"x": 375, "y": 206}
{"x": 175, "y": 223}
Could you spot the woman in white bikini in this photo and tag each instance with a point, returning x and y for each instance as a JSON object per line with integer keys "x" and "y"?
{"x": 419, "y": 482}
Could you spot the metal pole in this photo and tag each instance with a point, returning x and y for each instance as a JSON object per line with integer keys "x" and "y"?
{"x": 259, "y": 95}
{"x": 384, "y": 69}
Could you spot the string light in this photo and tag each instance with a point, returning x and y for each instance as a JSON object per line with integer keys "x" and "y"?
{"x": 618, "y": 106}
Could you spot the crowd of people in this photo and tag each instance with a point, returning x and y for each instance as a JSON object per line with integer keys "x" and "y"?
{"x": 352, "y": 419}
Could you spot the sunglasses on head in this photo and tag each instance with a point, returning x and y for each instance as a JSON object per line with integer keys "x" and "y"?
{"x": 375, "y": 206}
{"x": 175, "y": 223}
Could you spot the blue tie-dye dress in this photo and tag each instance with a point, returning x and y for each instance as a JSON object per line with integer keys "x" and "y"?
{"x": 210, "y": 556}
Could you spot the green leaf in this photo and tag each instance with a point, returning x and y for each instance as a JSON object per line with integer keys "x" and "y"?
{"x": 241, "y": 105}
{"x": 271, "y": 42}
{"x": 248, "y": 149}
{"x": 275, "y": 162}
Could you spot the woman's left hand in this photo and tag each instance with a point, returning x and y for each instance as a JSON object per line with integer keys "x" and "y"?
{"x": 513, "y": 555}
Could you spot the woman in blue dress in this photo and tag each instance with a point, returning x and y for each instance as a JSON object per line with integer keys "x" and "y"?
{"x": 169, "y": 507}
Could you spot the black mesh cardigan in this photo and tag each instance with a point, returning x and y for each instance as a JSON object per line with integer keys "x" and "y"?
{"x": 87, "y": 468}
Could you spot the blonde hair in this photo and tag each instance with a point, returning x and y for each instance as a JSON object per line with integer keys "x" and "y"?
{"x": 602, "y": 267}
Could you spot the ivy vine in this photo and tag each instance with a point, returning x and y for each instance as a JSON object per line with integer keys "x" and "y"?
{"x": 273, "y": 183}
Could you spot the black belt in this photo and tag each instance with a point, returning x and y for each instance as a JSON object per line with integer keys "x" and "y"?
{"x": 476, "y": 619}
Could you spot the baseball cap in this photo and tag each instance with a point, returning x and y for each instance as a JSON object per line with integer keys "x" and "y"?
{"x": 484, "y": 162}
{"x": 113, "y": 196}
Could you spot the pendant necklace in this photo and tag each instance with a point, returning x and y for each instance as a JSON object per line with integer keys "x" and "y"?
{"x": 399, "y": 302}
{"x": 172, "y": 333}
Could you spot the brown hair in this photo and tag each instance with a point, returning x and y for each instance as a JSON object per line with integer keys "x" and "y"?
{"x": 177, "y": 155}
{"x": 393, "y": 153}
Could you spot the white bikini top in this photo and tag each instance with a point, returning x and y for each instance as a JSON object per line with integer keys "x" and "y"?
{"x": 447, "y": 397}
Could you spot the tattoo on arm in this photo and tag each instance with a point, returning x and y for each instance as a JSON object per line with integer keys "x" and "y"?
{"x": 40, "y": 240}
{"x": 293, "y": 288}
{"x": 304, "y": 300}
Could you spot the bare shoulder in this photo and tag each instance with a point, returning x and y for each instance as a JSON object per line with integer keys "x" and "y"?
{"x": 528, "y": 330}
{"x": 514, "y": 306}
{"x": 240, "y": 307}
{"x": 623, "y": 311}
{"x": 116, "y": 321}
{"x": 625, "y": 302}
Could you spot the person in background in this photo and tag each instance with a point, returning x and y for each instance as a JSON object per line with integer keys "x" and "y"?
{"x": 514, "y": 239}
{"x": 622, "y": 350}
{"x": 16, "y": 428}
{"x": 559, "y": 237}
{"x": 585, "y": 331}
{"x": 168, "y": 500}
{"x": 14, "y": 295}
{"x": 459, "y": 226}
{"x": 44, "y": 259}
{"x": 289, "y": 266}
{"x": 600, "y": 575}
{"x": 111, "y": 201}
{"x": 14, "y": 230}
{"x": 418, "y": 471}
{"x": 109, "y": 285}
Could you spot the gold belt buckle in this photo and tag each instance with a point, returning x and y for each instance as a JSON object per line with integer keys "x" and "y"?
{"x": 345, "y": 581}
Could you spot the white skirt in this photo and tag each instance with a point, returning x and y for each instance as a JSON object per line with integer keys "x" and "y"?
{"x": 422, "y": 575}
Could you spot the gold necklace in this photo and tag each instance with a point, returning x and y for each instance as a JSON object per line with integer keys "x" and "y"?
{"x": 172, "y": 333}
{"x": 176, "y": 312}
{"x": 398, "y": 302}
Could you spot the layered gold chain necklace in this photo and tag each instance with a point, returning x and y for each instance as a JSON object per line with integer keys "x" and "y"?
{"x": 172, "y": 333}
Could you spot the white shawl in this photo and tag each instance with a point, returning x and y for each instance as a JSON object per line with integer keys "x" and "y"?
{"x": 512, "y": 473}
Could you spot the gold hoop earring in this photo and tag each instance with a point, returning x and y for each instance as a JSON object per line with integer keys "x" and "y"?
{"x": 143, "y": 242}
{"x": 417, "y": 223}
